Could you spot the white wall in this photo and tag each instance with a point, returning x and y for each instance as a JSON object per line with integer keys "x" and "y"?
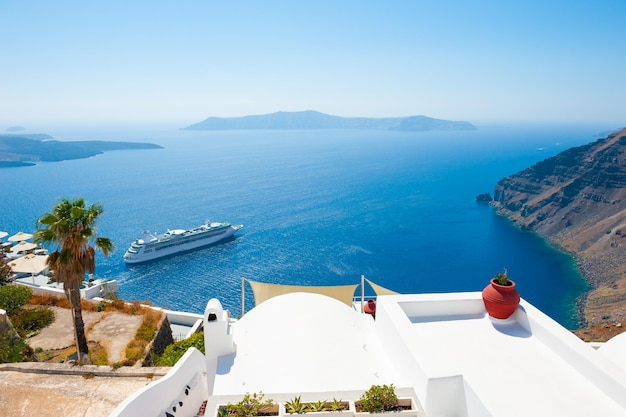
{"x": 184, "y": 383}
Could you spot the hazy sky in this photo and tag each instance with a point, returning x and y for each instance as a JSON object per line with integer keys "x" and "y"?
{"x": 76, "y": 62}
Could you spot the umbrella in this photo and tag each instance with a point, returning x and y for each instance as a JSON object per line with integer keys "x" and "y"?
{"x": 29, "y": 264}
{"x": 23, "y": 246}
{"x": 19, "y": 236}
{"x": 3, "y": 234}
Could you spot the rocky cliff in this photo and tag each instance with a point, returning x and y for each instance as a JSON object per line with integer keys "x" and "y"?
{"x": 577, "y": 201}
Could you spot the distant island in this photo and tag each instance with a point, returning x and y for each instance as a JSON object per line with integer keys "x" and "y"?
{"x": 25, "y": 150}
{"x": 577, "y": 201}
{"x": 15, "y": 129}
{"x": 309, "y": 120}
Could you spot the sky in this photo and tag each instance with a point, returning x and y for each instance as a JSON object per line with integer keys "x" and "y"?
{"x": 141, "y": 62}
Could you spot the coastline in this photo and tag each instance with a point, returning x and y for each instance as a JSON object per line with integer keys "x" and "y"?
{"x": 600, "y": 261}
{"x": 605, "y": 300}
{"x": 575, "y": 200}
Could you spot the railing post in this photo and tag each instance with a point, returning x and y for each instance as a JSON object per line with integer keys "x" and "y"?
{"x": 362, "y": 293}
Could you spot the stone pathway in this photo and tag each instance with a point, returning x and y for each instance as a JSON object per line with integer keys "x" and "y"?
{"x": 53, "y": 390}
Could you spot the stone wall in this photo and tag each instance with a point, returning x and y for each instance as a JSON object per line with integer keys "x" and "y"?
{"x": 162, "y": 339}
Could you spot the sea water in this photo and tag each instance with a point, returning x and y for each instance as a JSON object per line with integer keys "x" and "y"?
{"x": 319, "y": 208}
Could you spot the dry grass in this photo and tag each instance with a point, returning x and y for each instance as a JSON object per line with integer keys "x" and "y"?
{"x": 98, "y": 354}
{"x": 133, "y": 307}
{"x": 136, "y": 349}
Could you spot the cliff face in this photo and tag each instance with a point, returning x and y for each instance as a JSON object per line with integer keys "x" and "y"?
{"x": 577, "y": 200}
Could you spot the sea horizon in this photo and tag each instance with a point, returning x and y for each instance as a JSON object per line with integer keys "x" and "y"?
{"x": 319, "y": 207}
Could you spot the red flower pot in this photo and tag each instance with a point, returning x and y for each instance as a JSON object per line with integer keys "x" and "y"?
{"x": 501, "y": 301}
{"x": 370, "y": 308}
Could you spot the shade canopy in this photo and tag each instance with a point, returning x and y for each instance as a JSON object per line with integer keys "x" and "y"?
{"x": 23, "y": 246}
{"x": 29, "y": 264}
{"x": 3, "y": 234}
{"x": 19, "y": 236}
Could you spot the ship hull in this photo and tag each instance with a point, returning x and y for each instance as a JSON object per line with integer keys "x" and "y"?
{"x": 149, "y": 254}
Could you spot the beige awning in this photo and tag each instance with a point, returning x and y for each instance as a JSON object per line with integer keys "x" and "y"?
{"x": 23, "y": 246}
{"x": 263, "y": 291}
{"x": 3, "y": 234}
{"x": 29, "y": 264}
{"x": 19, "y": 236}
{"x": 380, "y": 290}
{"x": 344, "y": 293}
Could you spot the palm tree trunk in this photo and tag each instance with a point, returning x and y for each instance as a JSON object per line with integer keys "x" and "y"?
{"x": 73, "y": 296}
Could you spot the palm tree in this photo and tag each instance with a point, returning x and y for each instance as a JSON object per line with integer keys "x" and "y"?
{"x": 71, "y": 227}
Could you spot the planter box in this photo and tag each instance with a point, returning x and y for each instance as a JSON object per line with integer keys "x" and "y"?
{"x": 410, "y": 409}
{"x": 274, "y": 410}
{"x": 346, "y": 411}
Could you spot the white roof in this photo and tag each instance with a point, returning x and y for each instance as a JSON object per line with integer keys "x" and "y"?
{"x": 303, "y": 342}
{"x": 527, "y": 365}
{"x": 443, "y": 348}
{"x": 615, "y": 350}
{"x": 457, "y": 358}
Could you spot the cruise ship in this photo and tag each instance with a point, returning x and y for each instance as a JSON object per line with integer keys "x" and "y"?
{"x": 153, "y": 246}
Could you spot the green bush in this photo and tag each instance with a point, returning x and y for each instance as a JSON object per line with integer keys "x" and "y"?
{"x": 5, "y": 273}
{"x": 13, "y": 348}
{"x": 379, "y": 398}
{"x": 26, "y": 320}
{"x": 13, "y": 297}
{"x": 175, "y": 351}
{"x": 251, "y": 405}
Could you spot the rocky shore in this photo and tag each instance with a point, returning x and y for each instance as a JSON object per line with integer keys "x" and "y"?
{"x": 577, "y": 201}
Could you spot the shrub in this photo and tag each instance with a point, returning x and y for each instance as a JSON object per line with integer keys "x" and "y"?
{"x": 249, "y": 406}
{"x": 13, "y": 297}
{"x": 379, "y": 398}
{"x": 26, "y": 320}
{"x": 5, "y": 273}
{"x": 175, "y": 351}
{"x": 13, "y": 348}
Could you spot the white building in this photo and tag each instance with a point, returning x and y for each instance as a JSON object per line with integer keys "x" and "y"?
{"x": 442, "y": 350}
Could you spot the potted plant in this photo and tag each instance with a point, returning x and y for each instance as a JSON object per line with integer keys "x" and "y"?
{"x": 381, "y": 399}
{"x": 338, "y": 405}
{"x": 500, "y": 296}
{"x": 295, "y": 406}
{"x": 321, "y": 408}
{"x": 317, "y": 407}
{"x": 251, "y": 405}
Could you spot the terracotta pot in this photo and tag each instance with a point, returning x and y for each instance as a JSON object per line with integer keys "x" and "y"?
{"x": 501, "y": 301}
{"x": 370, "y": 308}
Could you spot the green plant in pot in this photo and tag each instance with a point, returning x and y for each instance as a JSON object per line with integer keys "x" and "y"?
{"x": 378, "y": 398}
{"x": 502, "y": 278}
{"x": 317, "y": 406}
{"x": 337, "y": 405}
{"x": 251, "y": 405}
{"x": 295, "y": 406}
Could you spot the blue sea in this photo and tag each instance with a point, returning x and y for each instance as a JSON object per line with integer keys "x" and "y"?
{"x": 318, "y": 207}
